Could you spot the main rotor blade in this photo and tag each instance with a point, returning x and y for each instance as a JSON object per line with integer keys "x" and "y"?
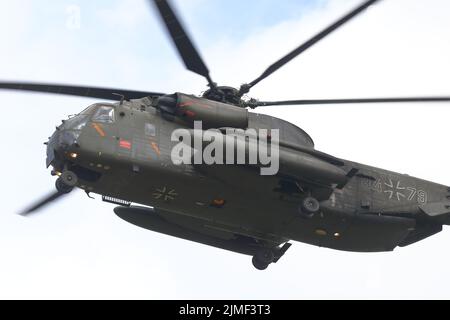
{"x": 47, "y": 200}
{"x": 79, "y": 91}
{"x": 185, "y": 46}
{"x": 255, "y": 104}
{"x": 308, "y": 44}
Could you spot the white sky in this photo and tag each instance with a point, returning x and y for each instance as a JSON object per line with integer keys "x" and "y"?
{"x": 78, "y": 248}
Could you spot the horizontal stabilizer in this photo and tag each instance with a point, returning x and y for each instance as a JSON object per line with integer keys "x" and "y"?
{"x": 436, "y": 209}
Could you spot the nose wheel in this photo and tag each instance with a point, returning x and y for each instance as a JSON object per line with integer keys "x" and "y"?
{"x": 66, "y": 182}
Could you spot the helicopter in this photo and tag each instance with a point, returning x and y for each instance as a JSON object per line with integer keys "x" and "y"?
{"x": 123, "y": 151}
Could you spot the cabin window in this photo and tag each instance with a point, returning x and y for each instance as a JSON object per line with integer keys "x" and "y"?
{"x": 150, "y": 130}
{"x": 104, "y": 114}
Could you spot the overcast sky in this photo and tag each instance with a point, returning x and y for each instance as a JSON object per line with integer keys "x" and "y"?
{"x": 78, "y": 248}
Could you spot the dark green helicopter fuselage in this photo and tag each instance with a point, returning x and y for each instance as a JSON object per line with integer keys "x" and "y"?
{"x": 126, "y": 158}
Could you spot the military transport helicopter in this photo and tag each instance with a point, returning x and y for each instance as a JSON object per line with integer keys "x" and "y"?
{"x": 122, "y": 151}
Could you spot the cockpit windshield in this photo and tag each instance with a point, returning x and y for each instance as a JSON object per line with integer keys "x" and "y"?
{"x": 94, "y": 107}
{"x": 77, "y": 122}
{"x": 104, "y": 114}
{"x": 89, "y": 110}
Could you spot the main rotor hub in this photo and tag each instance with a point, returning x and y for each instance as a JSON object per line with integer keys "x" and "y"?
{"x": 225, "y": 94}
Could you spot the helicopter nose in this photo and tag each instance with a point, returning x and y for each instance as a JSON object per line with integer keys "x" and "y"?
{"x": 52, "y": 145}
{"x": 60, "y": 143}
{"x": 67, "y": 139}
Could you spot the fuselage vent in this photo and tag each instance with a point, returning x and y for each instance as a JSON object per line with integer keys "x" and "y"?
{"x": 119, "y": 202}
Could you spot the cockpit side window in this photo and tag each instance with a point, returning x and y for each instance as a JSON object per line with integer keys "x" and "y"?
{"x": 104, "y": 114}
{"x": 150, "y": 130}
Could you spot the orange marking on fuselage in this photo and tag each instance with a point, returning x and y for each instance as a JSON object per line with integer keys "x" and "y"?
{"x": 156, "y": 148}
{"x": 186, "y": 104}
{"x": 190, "y": 114}
{"x": 99, "y": 129}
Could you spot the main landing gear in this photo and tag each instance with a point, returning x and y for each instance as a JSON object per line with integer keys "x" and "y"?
{"x": 66, "y": 182}
{"x": 266, "y": 256}
{"x": 263, "y": 258}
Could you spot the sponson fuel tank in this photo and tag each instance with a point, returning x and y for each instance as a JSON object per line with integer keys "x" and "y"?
{"x": 213, "y": 114}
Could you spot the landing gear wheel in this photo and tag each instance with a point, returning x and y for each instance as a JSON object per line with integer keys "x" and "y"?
{"x": 258, "y": 264}
{"x": 69, "y": 178}
{"x": 66, "y": 182}
{"x": 309, "y": 207}
{"x": 263, "y": 259}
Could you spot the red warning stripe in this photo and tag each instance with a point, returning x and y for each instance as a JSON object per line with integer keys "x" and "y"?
{"x": 190, "y": 114}
{"x": 125, "y": 144}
